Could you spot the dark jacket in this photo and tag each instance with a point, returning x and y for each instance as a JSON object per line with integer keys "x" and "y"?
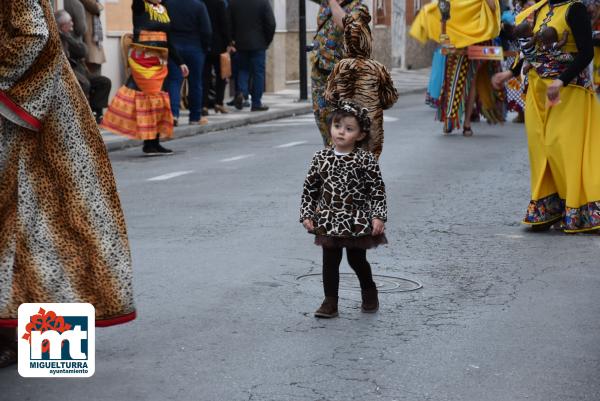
{"x": 252, "y": 24}
{"x": 221, "y": 38}
{"x": 190, "y": 23}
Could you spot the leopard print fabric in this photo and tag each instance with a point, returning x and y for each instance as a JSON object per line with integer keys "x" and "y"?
{"x": 343, "y": 193}
{"x": 362, "y": 79}
{"x": 62, "y": 230}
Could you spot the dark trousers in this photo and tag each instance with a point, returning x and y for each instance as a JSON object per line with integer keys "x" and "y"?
{"x": 252, "y": 65}
{"x": 96, "y": 89}
{"x": 213, "y": 63}
{"x": 99, "y": 92}
{"x": 193, "y": 56}
{"x": 357, "y": 259}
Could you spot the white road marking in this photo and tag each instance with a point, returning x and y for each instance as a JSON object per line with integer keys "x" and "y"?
{"x": 169, "y": 176}
{"x": 390, "y": 119}
{"x": 232, "y": 159}
{"x": 284, "y": 124}
{"x": 511, "y": 236}
{"x": 289, "y": 145}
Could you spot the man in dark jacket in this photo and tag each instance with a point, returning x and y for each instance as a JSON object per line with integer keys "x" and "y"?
{"x": 253, "y": 28}
{"x": 191, "y": 36}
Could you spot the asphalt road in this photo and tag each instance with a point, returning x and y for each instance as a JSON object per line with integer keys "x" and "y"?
{"x": 504, "y": 314}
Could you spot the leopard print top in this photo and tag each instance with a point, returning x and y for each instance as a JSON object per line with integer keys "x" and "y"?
{"x": 343, "y": 193}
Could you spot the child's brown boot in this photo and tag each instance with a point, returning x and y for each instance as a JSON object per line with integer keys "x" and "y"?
{"x": 328, "y": 308}
{"x": 370, "y": 302}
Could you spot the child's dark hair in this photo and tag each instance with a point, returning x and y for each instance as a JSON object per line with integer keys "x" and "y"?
{"x": 348, "y": 108}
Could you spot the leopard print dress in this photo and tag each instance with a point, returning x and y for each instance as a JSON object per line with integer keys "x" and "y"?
{"x": 362, "y": 79}
{"x": 342, "y": 195}
{"x": 62, "y": 230}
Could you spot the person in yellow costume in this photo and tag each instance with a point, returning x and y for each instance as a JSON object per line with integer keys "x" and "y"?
{"x": 562, "y": 119}
{"x": 471, "y": 22}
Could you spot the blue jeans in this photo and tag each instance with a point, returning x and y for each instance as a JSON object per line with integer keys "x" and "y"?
{"x": 252, "y": 63}
{"x": 193, "y": 57}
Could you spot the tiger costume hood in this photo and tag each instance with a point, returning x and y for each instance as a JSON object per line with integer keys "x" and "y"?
{"x": 357, "y": 35}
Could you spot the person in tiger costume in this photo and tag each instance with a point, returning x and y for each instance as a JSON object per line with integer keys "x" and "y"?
{"x": 361, "y": 78}
{"x": 328, "y": 50}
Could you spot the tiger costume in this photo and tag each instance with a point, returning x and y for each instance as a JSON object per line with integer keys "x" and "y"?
{"x": 362, "y": 79}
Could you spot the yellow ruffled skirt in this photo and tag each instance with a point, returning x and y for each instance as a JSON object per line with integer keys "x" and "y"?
{"x": 564, "y": 153}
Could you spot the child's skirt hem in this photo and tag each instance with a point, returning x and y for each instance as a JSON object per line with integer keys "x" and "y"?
{"x": 363, "y": 242}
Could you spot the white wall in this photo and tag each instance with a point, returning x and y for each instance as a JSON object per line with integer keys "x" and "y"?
{"x": 399, "y": 33}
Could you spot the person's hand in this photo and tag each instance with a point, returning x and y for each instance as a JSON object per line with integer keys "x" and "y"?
{"x": 378, "y": 227}
{"x": 554, "y": 90}
{"x": 309, "y": 225}
{"x": 185, "y": 71}
{"x": 499, "y": 78}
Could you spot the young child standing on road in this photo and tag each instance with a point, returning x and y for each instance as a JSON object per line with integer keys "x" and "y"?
{"x": 344, "y": 205}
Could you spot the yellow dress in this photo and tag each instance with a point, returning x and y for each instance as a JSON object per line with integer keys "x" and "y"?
{"x": 471, "y": 22}
{"x": 564, "y": 142}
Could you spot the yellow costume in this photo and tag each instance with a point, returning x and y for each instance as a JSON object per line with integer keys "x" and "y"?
{"x": 564, "y": 141}
{"x": 471, "y": 22}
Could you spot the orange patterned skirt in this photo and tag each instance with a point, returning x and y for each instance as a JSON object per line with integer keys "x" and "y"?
{"x": 141, "y": 114}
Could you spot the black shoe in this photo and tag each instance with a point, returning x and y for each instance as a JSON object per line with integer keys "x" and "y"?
{"x": 155, "y": 149}
{"x": 98, "y": 117}
{"x": 8, "y": 354}
{"x": 231, "y": 102}
{"x": 238, "y": 102}
{"x": 262, "y": 107}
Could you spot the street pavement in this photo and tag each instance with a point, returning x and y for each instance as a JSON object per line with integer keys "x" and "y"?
{"x": 225, "y": 293}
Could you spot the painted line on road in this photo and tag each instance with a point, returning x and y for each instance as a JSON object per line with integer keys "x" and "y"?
{"x": 169, "y": 176}
{"x": 232, "y": 159}
{"x": 511, "y": 236}
{"x": 281, "y": 125}
{"x": 290, "y": 144}
{"x": 390, "y": 119}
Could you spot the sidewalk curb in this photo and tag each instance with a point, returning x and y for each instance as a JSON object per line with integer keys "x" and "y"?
{"x": 192, "y": 130}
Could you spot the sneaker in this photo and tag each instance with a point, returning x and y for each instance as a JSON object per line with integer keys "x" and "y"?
{"x": 205, "y": 111}
{"x": 156, "y": 149}
{"x": 328, "y": 308}
{"x": 262, "y": 107}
